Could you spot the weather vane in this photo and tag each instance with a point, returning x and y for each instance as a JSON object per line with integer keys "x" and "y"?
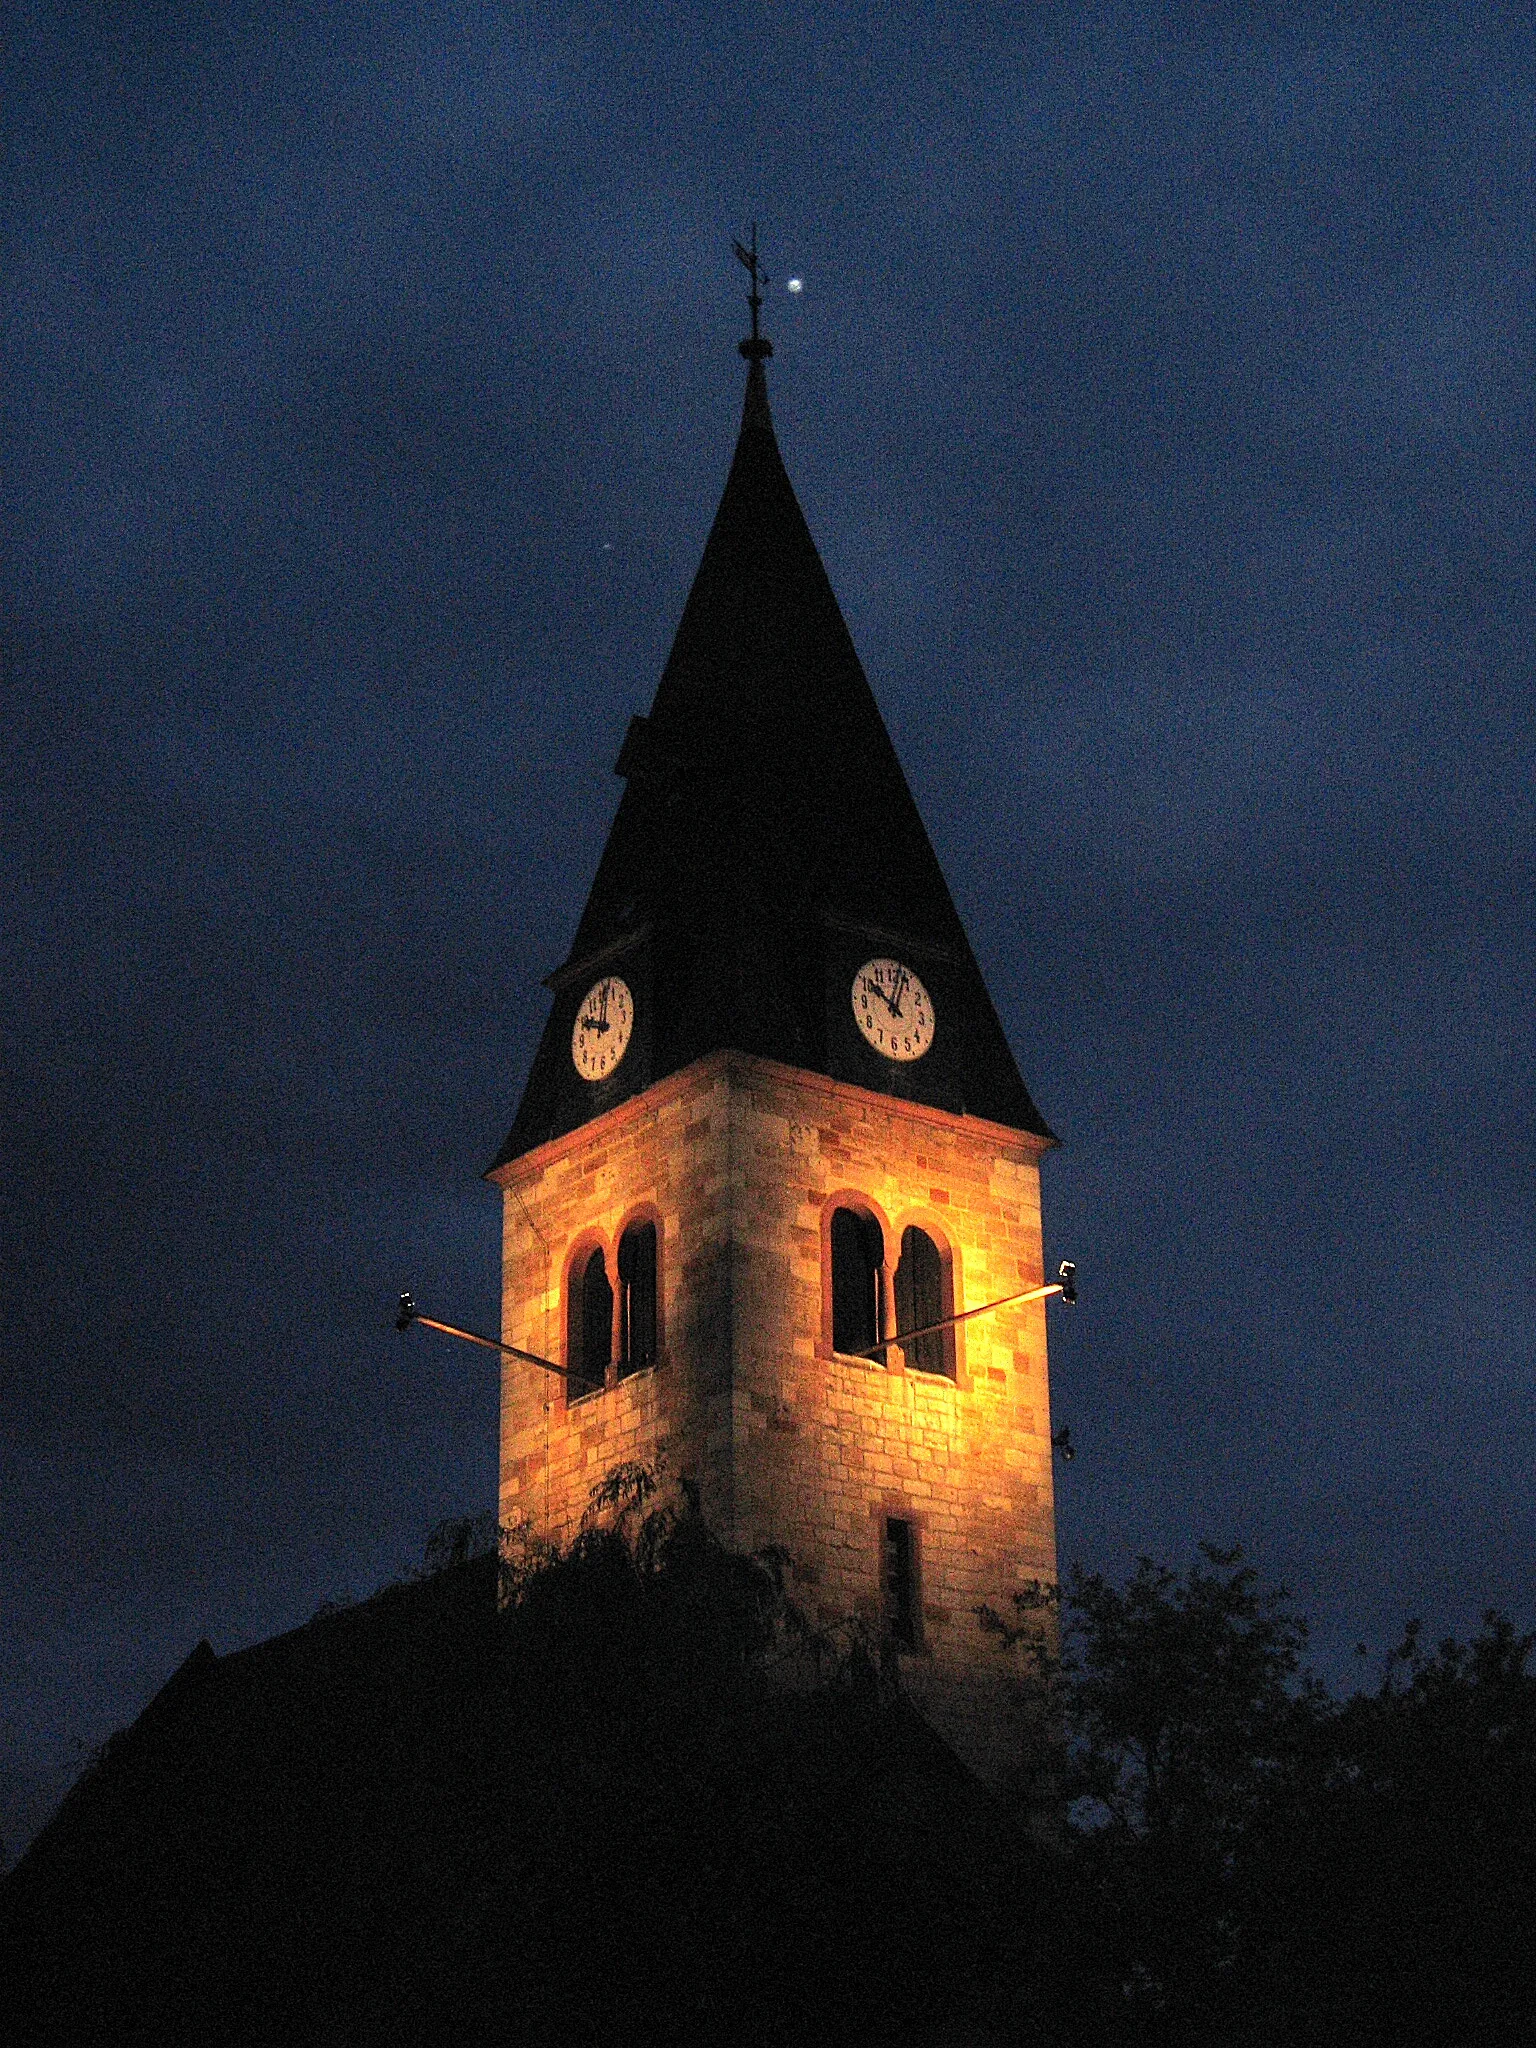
{"x": 757, "y": 348}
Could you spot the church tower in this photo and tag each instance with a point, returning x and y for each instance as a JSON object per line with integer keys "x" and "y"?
{"x": 772, "y": 1128}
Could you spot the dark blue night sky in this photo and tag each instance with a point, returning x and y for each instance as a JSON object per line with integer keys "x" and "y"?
{"x": 1160, "y": 398}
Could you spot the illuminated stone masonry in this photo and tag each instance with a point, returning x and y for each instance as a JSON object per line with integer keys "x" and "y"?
{"x": 740, "y": 1162}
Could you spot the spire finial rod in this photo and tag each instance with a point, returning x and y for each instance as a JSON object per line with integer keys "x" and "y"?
{"x": 758, "y": 347}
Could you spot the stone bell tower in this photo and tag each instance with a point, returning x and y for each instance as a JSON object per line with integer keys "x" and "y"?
{"x": 772, "y": 1128}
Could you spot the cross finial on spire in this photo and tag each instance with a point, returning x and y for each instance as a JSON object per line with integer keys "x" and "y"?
{"x": 758, "y": 347}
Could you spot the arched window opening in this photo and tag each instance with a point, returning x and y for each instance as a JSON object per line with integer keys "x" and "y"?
{"x": 921, "y": 1300}
{"x": 589, "y": 1326}
{"x": 858, "y": 1252}
{"x": 637, "y": 1298}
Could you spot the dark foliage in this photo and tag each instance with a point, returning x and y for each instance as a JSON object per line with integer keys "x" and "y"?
{"x": 1260, "y": 1863}
{"x": 1388, "y": 1891}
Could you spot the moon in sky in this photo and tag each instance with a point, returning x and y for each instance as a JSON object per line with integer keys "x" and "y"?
{"x": 795, "y": 284}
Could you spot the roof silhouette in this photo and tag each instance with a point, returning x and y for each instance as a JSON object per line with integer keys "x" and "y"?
{"x": 432, "y": 1819}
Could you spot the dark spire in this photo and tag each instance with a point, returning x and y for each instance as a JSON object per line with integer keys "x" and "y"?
{"x": 767, "y": 843}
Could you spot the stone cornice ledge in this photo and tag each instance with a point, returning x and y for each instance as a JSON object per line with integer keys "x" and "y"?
{"x": 748, "y": 1067}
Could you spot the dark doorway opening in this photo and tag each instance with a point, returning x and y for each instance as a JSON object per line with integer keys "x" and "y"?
{"x": 902, "y": 1610}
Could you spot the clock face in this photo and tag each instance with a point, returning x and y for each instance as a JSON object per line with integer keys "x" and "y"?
{"x": 893, "y": 1009}
{"x": 600, "y": 1035}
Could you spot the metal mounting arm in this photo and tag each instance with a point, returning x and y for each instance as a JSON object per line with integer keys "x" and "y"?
{"x": 409, "y": 1313}
{"x": 1065, "y": 1284}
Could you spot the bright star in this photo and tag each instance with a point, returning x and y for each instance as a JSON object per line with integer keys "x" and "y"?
{"x": 795, "y": 284}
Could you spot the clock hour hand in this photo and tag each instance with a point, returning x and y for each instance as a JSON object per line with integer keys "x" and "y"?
{"x": 875, "y": 989}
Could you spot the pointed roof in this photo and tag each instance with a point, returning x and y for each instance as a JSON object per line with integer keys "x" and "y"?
{"x": 765, "y": 810}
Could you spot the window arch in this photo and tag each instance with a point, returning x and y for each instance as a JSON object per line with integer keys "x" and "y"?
{"x": 858, "y": 1261}
{"x": 638, "y": 1337}
{"x": 588, "y": 1324}
{"x": 924, "y": 1296}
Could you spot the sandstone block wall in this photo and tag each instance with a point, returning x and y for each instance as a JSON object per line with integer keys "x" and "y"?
{"x": 741, "y": 1162}
{"x": 826, "y": 1447}
{"x": 665, "y": 1154}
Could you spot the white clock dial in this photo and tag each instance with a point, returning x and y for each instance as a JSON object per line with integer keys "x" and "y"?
{"x": 600, "y": 1034}
{"x": 893, "y": 1009}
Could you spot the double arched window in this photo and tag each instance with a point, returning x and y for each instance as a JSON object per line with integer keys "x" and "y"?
{"x": 595, "y": 1316}
{"x": 870, "y": 1304}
